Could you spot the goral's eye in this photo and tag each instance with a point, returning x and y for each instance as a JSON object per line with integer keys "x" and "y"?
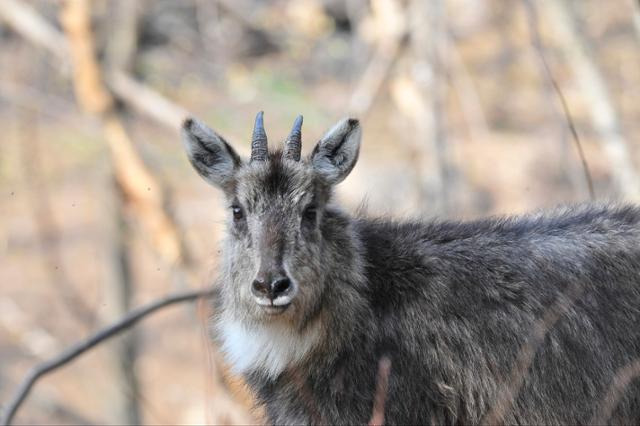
{"x": 310, "y": 214}
{"x": 238, "y": 214}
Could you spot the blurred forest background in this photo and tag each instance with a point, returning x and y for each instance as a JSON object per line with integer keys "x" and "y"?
{"x": 469, "y": 108}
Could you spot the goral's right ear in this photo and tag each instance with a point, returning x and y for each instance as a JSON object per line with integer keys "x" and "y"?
{"x": 335, "y": 155}
{"x": 211, "y": 156}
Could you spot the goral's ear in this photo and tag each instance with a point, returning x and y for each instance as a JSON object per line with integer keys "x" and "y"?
{"x": 337, "y": 152}
{"x": 209, "y": 153}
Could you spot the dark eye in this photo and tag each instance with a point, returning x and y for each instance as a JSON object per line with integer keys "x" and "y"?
{"x": 310, "y": 214}
{"x": 238, "y": 214}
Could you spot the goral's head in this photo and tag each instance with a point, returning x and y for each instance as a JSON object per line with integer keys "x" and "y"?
{"x": 276, "y": 214}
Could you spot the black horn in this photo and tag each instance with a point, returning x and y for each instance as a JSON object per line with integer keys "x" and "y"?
{"x": 259, "y": 140}
{"x": 293, "y": 144}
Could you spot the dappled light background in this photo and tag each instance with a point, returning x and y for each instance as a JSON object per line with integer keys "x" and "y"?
{"x": 469, "y": 108}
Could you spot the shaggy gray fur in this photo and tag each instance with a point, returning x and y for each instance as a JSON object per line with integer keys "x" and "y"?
{"x": 451, "y": 304}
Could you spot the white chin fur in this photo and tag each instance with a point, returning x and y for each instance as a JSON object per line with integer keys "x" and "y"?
{"x": 266, "y": 348}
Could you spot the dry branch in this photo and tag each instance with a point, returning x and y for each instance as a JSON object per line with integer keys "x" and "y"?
{"x": 26, "y": 21}
{"x": 634, "y": 6}
{"x": 594, "y": 89}
{"x": 619, "y": 383}
{"x": 532, "y": 18}
{"x": 373, "y": 77}
{"x": 138, "y": 192}
{"x": 382, "y": 388}
{"x": 143, "y": 193}
{"x": 83, "y": 346}
{"x": 87, "y": 80}
{"x": 508, "y": 393}
{"x": 146, "y": 100}
{"x": 421, "y": 94}
{"x": 141, "y": 189}
{"x": 392, "y": 23}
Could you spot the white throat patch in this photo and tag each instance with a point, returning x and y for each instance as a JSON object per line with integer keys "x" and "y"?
{"x": 268, "y": 348}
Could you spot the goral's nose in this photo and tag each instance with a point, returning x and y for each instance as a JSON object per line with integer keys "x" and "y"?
{"x": 272, "y": 289}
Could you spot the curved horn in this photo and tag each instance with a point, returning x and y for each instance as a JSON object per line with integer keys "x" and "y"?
{"x": 293, "y": 144}
{"x": 259, "y": 140}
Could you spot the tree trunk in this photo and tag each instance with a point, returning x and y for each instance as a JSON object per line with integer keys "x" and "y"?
{"x": 427, "y": 32}
{"x": 122, "y": 401}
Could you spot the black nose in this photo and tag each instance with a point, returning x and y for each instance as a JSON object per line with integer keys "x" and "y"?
{"x": 277, "y": 287}
{"x": 280, "y": 286}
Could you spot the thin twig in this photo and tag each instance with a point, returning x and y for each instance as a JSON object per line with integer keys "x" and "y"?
{"x": 81, "y": 347}
{"x": 619, "y": 383}
{"x": 525, "y": 357}
{"x": 537, "y": 43}
{"x": 382, "y": 388}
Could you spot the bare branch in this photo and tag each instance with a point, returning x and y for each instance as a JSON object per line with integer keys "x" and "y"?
{"x": 507, "y": 394}
{"x": 373, "y": 77}
{"x": 87, "y": 77}
{"x": 141, "y": 189}
{"x": 392, "y": 19}
{"x": 537, "y": 43}
{"x": 634, "y": 6}
{"x": 597, "y": 97}
{"x": 24, "y": 20}
{"x": 619, "y": 383}
{"x": 146, "y": 100}
{"x": 27, "y": 22}
{"x": 83, "y": 346}
{"x": 382, "y": 387}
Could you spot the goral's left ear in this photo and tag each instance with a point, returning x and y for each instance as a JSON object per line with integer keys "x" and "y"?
{"x": 211, "y": 156}
{"x": 337, "y": 152}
